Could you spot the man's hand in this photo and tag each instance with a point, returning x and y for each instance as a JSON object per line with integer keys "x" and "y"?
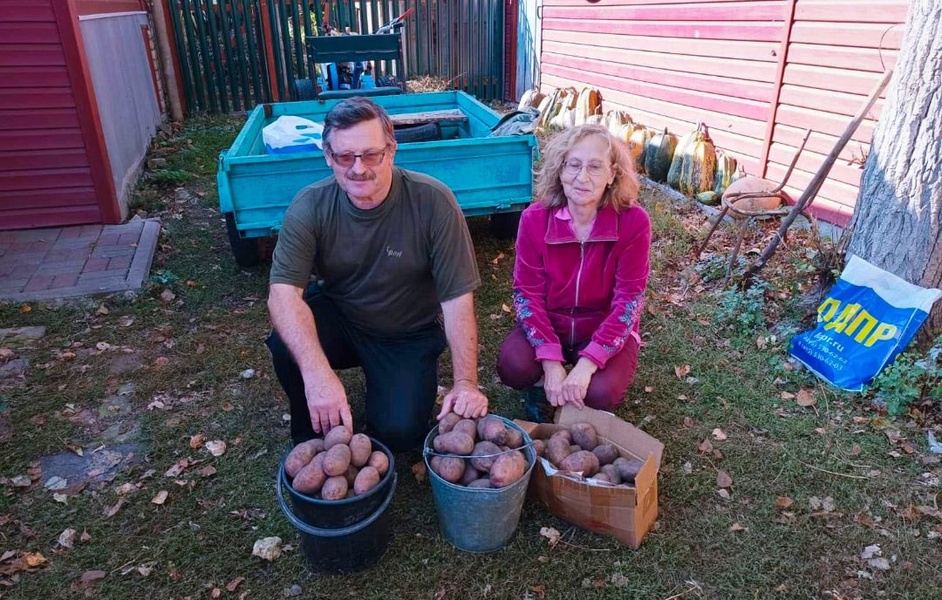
{"x": 554, "y": 374}
{"x": 327, "y": 403}
{"x": 576, "y": 383}
{"x": 464, "y": 399}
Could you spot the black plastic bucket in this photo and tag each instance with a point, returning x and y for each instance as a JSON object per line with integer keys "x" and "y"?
{"x": 344, "y": 550}
{"x": 337, "y": 514}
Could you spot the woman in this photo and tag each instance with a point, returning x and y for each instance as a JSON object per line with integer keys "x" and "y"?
{"x": 579, "y": 278}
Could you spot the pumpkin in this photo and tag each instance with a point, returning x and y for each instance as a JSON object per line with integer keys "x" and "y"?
{"x": 531, "y": 98}
{"x": 727, "y": 171}
{"x": 673, "y": 174}
{"x": 659, "y": 154}
{"x": 637, "y": 141}
{"x": 593, "y": 120}
{"x": 588, "y": 103}
{"x": 549, "y": 106}
{"x": 752, "y": 185}
{"x": 699, "y": 164}
{"x": 566, "y": 116}
{"x": 614, "y": 119}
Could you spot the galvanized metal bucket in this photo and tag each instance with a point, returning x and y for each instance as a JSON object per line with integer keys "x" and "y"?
{"x": 479, "y": 519}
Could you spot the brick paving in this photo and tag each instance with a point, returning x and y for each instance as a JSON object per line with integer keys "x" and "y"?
{"x": 62, "y": 262}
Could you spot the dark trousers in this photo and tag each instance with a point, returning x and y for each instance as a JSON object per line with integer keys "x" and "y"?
{"x": 401, "y": 374}
{"x": 517, "y": 367}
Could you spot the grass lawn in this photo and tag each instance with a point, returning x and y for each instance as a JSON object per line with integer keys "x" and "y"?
{"x": 772, "y": 486}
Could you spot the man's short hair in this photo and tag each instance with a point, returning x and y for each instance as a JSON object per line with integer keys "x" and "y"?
{"x": 353, "y": 111}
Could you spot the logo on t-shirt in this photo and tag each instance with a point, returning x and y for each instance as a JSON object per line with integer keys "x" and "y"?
{"x": 393, "y": 253}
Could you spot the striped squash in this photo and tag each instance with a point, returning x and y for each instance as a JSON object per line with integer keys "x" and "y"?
{"x": 637, "y": 141}
{"x": 588, "y": 103}
{"x": 531, "y": 98}
{"x": 659, "y": 154}
{"x": 727, "y": 171}
{"x": 566, "y": 116}
{"x": 673, "y": 174}
{"x": 614, "y": 119}
{"x": 698, "y": 168}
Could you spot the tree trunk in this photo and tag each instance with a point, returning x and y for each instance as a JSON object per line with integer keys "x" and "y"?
{"x": 897, "y": 223}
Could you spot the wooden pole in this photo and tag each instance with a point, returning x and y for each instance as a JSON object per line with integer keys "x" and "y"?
{"x": 170, "y": 71}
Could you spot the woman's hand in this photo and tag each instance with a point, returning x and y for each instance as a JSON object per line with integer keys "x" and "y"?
{"x": 554, "y": 373}
{"x": 576, "y": 384}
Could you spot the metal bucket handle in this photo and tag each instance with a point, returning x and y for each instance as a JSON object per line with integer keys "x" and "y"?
{"x": 319, "y": 532}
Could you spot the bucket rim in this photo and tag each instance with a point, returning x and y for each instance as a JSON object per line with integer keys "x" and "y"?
{"x": 330, "y": 533}
{"x": 333, "y": 503}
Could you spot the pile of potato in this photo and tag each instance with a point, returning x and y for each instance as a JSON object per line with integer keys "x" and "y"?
{"x": 338, "y": 466}
{"x": 578, "y": 449}
{"x": 481, "y": 453}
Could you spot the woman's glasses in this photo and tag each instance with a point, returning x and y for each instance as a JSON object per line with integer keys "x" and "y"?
{"x": 371, "y": 158}
{"x": 574, "y": 167}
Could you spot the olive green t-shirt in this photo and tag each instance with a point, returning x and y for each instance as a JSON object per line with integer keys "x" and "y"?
{"x": 388, "y": 268}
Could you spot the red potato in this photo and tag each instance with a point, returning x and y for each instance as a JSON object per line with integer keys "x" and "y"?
{"x": 337, "y": 460}
{"x": 301, "y": 455}
{"x": 508, "y": 468}
{"x": 335, "y": 488}
{"x": 448, "y": 422}
{"x": 467, "y": 426}
{"x": 470, "y": 474}
{"x": 492, "y": 429}
{"x": 379, "y": 461}
{"x": 453, "y": 442}
{"x": 628, "y": 468}
{"x": 539, "y": 446}
{"x": 514, "y": 438}
{"x": 557, "y": 449}
{"x": 581, "y": 462}
{"x": 360, "y": 448}
{"x": 311, "y": 477}
{"x": 484, "y": 455}
{"x": 563, "y": 433}
{"x": 338, "y": 435}
{"x": 481, "y": 483}
{"x": 449, "y": 468}
{"x": 611, "y": 471}
{"x": 585, "y": 435}
{"x": 607, "y": 453}
{"x": 367, "y": 479}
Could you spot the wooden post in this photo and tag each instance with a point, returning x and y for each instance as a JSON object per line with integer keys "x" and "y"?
{"x": 169, "y": 60}
{"x": 269, "y": 52}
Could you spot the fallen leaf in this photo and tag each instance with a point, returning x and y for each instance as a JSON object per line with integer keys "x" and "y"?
{"x": 880, "y": 564}
{"x": 67, "y": 538}
{"x": 161, "y": 497}
{"x": 6, "y": 354}
{"x": 827, "y": 505}
{"x": 762, "y": 342}
{"x": 177, "y": 468}
{"x": 90, "y": 577}
{"x": 215, "y": 593}
{"x": 723, "y": 479}
{"x": 706, "y": 446}
{"x": 497, "y": 258}
{"x": 736, "y": 527}
{"x": 723, "y": 493}
{"x": 26, "y": 308}
{"x": 871, "y": 551}
{"x": 85, "y": 536}
{"x": 267, "y": 548}
{"x": 681, "y": 371}
{"x": 719, "y": 434}
{"x": 552, "y": 534}
{"x": 113, "y": 510}
{"x": 235, "y": 583}
{"x": 783, "y": 501}
{"x": 216, "y": 447}
{"x": 806, "y": 398}
{"x": 167, "y": 296}
{"x": 648, "y": 389}
{"x": 787, "y": 395}
{"x": 103, "y": 310}
{"x": 196, "y": 441}
{"x": 161, "y": 361}
{"x": 208, "y": 471}
{"x": 506, "y": 308}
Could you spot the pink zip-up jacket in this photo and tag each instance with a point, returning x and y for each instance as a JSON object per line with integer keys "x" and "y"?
{"x": 566, "y": 291}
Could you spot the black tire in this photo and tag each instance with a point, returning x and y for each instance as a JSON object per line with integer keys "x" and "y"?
{"x": 504, "y": 225}
{"x": 304, "y": 89}
{"x": 418, "y": 133}
{"x": 245, "y": 250}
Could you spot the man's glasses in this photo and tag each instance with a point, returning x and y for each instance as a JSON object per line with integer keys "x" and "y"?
{"x": 371, "y": 158}
{"x": 573, "y": 167}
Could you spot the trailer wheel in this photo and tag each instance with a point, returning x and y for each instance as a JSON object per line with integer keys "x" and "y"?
{"x": 504, "y": 225}
{"x": 304, "y": 90}
{"x": 244, "y": 250}
{"x": 418, "y": 133}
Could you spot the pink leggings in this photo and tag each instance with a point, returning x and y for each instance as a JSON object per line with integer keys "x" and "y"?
{"x": 518, "y": 368}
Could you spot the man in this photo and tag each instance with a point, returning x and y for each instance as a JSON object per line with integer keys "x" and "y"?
{"x": 393, "y": 260}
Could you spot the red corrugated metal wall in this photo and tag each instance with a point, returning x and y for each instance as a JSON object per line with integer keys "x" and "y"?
{"x": 837, "y": 52}
{"x": 757, "y": 72}
{"x": 51, "y": 166}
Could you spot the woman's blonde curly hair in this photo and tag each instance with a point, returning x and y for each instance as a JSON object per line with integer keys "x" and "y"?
{"x": 622, "y": 193}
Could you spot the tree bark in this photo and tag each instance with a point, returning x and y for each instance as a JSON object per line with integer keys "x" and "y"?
{"x": 897, "y": 223}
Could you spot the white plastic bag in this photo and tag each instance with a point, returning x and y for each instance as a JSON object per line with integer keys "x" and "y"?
{"x": 289, "y": 134}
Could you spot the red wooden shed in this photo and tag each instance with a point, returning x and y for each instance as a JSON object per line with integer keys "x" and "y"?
{"x": 79, "y": 102}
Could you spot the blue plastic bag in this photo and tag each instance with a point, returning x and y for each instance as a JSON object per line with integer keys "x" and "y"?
{"x": 289, "y": 134}
{"x": 868, "y": 317}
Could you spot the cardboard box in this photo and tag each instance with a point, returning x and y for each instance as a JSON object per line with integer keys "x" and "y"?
{"x": 623, "y": 512}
